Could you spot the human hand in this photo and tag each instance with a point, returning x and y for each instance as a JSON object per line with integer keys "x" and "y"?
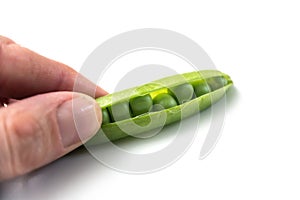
{"x": 38, "y": 124}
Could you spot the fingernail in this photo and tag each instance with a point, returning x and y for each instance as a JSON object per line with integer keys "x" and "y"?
{"x": 78, "y": 119}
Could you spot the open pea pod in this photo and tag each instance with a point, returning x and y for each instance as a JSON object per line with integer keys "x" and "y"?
{"x": 158, "y": 103}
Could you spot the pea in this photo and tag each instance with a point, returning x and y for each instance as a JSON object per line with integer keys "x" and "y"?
{"x": 216, "y": 82}
{"x": 119, "y": 111}
{"x": 105, "y": 116}
{"x": 163, "y": 101}
{"x": 183, "y": 93}
{"x": 201, "y": 89}
{"x": 140, "y": 105}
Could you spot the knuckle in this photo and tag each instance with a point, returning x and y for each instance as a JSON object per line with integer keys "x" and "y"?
{"x": 4, "y": 41}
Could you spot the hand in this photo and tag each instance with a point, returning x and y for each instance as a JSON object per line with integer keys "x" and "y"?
{"x": 37, "y": 112}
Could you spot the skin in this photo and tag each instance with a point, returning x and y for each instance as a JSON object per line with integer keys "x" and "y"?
{"x": 33, "y": 88}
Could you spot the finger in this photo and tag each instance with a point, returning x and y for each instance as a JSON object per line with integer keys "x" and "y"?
{"x": 40, "y": 129}
{"x": 24, "y": 73}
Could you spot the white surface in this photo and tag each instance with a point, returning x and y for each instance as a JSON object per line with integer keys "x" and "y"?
{"x": 256, "y": 42}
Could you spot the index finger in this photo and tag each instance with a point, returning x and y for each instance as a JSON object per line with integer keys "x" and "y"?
{"x": 25, "y": 73}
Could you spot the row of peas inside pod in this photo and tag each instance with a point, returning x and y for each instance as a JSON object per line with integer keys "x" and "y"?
{"x": 161, "y": 99}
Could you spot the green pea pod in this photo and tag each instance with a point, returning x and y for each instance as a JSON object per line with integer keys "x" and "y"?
{"x": 159, "y": 103}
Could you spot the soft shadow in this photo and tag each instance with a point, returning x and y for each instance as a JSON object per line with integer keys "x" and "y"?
{"x": 62, "y": 173}
{"x": 232, "y": 96}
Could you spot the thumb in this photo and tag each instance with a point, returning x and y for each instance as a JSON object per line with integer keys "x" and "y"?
{"x": 40, "y": 129}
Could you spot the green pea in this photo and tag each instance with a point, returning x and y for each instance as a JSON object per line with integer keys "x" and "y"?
{"x": 105, "y": 116}
{"x": 183, "y": 93}
{"x": 119, "y": 111}
{"x": 216, "y": 82}
{"x": 163, "y": 101}
{"x": 201, "y": 89}
{"x": 140, "y": 105}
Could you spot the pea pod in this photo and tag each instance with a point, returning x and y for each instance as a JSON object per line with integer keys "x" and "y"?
{"x": 133, "y": 111}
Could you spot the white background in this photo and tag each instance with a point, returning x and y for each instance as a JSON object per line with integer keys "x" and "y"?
{"x": 256, "y": 42}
